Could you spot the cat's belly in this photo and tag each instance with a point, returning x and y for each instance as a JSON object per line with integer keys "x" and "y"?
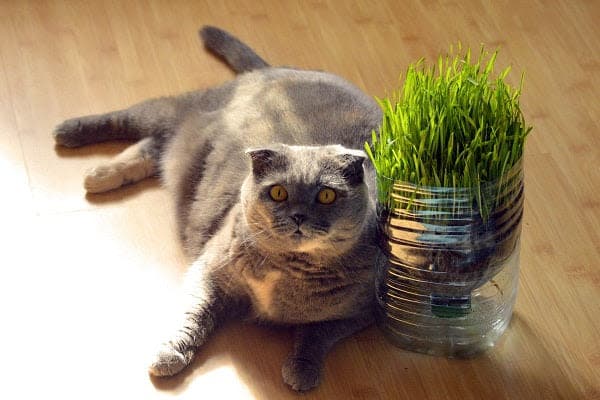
{"x": 262, "y": 292}
{"x": 279, "y": 298}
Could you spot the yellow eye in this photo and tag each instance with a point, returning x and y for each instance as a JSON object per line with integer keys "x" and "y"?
{"x": 326, "y": 196}
{"x": 278, "y": 193}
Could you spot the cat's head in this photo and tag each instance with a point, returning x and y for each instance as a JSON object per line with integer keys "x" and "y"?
{"x": 306, "y": 199}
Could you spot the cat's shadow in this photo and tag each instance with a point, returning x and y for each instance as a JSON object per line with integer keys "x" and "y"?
{"x": 235, "y": 346}
{"x": 111, "y": 148}
{"x": 124, "y": 192}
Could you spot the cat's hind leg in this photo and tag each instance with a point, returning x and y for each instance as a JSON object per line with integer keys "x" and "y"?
{"x": 155, "y": 117}
{"x": 302, "y": 369}
{"x": 137, "y": 162}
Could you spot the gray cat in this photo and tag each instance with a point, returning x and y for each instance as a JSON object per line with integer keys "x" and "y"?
{"x": 273, "y": 201}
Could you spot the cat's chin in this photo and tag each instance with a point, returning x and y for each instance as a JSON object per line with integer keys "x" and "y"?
{"x": 305, "y": 244}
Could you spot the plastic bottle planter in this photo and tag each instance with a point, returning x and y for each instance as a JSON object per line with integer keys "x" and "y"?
{"x": 450, "y": 282}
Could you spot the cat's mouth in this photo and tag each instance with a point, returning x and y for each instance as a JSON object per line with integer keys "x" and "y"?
{"x": 298, "y": 233}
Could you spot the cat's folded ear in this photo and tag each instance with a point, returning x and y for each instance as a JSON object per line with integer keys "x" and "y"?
{"x": 352, "y": 165}
{"x": 265, "y": 160}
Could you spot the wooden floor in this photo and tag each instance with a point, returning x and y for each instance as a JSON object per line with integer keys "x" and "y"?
{"x": 87, "y": 282}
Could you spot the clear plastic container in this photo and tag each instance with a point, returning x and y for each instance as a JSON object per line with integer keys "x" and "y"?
{"x": 450, "y": 280}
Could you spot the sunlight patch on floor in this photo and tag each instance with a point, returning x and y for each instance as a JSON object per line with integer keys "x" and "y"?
{"x": 229, "y": 385}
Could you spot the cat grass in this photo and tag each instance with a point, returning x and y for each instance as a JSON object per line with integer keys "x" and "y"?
{"x": 451, "y": 125}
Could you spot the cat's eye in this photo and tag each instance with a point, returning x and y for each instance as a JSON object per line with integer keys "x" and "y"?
{"x": 326, "y": 196}
{"x": 278, "y": 193}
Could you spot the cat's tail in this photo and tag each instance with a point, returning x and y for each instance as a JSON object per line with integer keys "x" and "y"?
{"x": 236, "y": 54}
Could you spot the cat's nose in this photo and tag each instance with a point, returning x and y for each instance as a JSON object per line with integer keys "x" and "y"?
{"x": 298, "y": 218}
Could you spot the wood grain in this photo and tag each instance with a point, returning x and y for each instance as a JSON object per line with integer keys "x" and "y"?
{"x": 87, "y": 283}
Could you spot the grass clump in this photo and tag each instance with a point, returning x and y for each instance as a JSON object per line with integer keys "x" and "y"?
{"x": 451, "y": 125}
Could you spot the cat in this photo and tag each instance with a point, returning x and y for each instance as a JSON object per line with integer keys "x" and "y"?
{"x": 275, "y": 201}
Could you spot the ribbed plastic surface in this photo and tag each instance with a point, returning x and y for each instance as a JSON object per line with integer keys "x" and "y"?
{"x": 450, "y": 283}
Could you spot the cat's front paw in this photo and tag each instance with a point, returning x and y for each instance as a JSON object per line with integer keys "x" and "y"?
{"x": 168, "y": 361}
{"x": 301, "y": 374}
